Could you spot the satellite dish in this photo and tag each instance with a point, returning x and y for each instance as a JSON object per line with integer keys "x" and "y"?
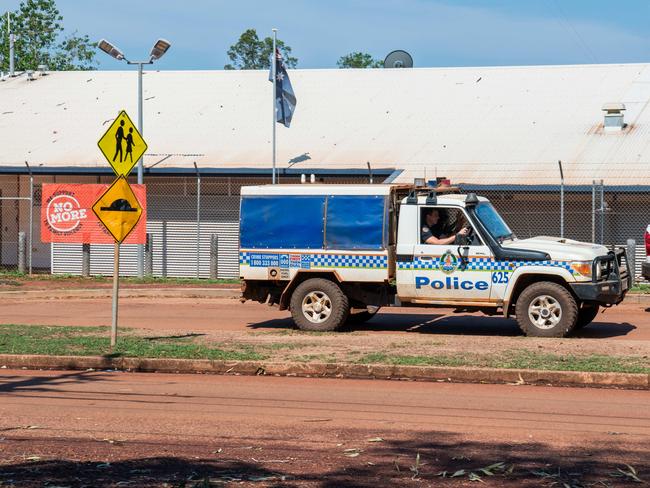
{"x": 398, "y": 59}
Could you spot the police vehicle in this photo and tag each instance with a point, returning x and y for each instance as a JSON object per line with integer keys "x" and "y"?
{"x": 336, "y": 254}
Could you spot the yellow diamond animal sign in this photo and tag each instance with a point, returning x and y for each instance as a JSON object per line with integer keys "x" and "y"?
{"x": 122, "y": 145}
{"x": 118, "y": 209}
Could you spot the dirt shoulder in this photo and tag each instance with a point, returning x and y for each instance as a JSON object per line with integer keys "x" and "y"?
{"x": 361, "y": 348}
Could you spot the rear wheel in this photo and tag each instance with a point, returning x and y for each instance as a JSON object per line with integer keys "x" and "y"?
{"x": 546, "y": 309}
{"x": 319, "y": 305}
{"x": 586, "y": 315}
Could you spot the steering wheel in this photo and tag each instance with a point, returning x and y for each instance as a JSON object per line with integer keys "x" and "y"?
{"x": 466, "y": 240}
{"x": 471, "y": 236}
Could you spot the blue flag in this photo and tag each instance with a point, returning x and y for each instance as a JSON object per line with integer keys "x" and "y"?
{"x": 285, "y": 101}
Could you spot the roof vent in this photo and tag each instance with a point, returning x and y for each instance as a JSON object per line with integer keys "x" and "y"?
{"x": 614, "y": 117}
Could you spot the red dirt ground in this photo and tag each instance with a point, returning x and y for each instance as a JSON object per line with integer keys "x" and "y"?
{"x": 107, "y": 429}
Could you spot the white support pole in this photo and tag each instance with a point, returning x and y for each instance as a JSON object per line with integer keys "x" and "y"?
{"x": 140, "y": 165}
{"x": 561, "y": 200}
{"x": 12, "y": 40}
{"x": 31, "y": 216}
{"x": 275, "y": 96}
{"x": 198, "y": 221}
{"x": 31, "y": 220}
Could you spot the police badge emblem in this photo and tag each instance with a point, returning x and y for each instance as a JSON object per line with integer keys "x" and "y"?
{"x": 448, "y": 262}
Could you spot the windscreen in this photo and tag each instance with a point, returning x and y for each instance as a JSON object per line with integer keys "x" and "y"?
{"x": 492, "y": 221}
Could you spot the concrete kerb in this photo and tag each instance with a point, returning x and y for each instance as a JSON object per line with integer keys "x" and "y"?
{"x": 330, "y": 370}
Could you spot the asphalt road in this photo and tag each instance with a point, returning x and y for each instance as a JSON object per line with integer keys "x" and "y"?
{"x": 105, "y": 428}
{"x": 627, "y": 321}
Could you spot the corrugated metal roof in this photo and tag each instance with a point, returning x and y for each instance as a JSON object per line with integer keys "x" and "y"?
{"x": 480, "y": 125}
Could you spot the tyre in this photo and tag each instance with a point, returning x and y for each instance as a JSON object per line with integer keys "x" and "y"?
{"x": 360, "y": 317}
{"x": 319, "y": 305}
{"x": 546, "y": 309}
{"x": 586, "y": 315}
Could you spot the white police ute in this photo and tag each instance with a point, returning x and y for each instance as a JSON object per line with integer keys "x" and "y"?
{"x": 335, "y": 254}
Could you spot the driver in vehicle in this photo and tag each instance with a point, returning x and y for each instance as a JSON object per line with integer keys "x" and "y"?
{"x": 434, "y": 231}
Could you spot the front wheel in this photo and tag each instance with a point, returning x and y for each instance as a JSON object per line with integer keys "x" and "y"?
{"x": 546, "y": 309}
{"x": 319, "y": 305}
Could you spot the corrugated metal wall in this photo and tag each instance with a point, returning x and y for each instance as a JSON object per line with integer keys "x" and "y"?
{"x": 172, "y": 209}
{"x": 174, "y": 252}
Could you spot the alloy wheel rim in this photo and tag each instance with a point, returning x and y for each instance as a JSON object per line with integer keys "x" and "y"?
{"x": 545, "y": 312}
{"x": 317, "y": 307}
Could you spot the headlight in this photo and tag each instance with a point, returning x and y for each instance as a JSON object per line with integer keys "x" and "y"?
{"x": 583, "y": 268}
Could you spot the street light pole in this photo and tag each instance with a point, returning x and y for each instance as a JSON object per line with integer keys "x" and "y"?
{"x": 141, "y": 129}
{"x": 140, "y": 161}
{"x": 157, "y": 51}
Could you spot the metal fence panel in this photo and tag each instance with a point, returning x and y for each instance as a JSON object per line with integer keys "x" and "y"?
{"x": 179, "y": 217}
{"x": 608, "y": 215}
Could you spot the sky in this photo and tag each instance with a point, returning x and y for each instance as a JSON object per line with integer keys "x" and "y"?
{"x": 435, "y": 32}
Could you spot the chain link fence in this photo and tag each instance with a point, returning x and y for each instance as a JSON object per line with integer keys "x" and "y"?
{"x": 193, "y": 221}
{"x": 192, "y": 225}
{"x": 608, "y": 215}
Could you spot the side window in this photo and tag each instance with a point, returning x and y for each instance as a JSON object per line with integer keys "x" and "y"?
{"x": 439, "y": 225}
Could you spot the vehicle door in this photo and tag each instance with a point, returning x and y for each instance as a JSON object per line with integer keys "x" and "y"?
{"x": 451, "y": 271}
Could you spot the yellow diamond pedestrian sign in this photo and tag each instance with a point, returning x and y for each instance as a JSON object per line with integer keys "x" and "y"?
{"x": 118, "y": 209}
{"x": 122, "y": 145}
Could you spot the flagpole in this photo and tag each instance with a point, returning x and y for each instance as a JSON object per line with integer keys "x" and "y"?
{"x": 275, "y": 97}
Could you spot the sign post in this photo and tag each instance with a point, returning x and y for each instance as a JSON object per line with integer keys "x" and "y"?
{"x": 116, "y": 294}
{"x": 118, "y": 209}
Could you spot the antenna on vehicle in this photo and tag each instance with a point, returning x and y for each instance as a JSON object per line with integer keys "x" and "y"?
{"x": 398, "y": 59}
{"x": 471, "y": 200}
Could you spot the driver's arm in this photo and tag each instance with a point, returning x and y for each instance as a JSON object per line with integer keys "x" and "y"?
{"x": 446, "y": 240}
{"x": 440, "y": 241}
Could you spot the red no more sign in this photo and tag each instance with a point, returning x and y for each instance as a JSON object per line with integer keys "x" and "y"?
{"x": 64, "y": 213}
{"x": 67, "y": 215}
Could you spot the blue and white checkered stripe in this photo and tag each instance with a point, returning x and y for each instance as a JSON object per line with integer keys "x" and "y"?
{"x": 359, "y": 261}
{"x": 482, "y": 264}
{"x": 366, "y": 261}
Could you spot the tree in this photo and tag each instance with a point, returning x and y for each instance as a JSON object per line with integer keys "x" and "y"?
{"x": 40, "y": 39}
{"x": 249, "y": 52}
{"x": 359, "y": 60}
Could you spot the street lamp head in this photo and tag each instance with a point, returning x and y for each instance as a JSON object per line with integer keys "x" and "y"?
{"x": 111, "y": 50}
{"x": 159, "y": 49}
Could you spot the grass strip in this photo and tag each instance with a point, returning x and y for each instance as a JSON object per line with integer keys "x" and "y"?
{"x": 15, "y": 278}
{"x": 518, "y": 359}
{"x": 94, "y": 341}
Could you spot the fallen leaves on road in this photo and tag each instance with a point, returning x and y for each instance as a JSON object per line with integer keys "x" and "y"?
{"x": 630, "y": 474}
{"x": 353, "y": 452}
{"x": 22, "y": 427}
{"x": 415, "y": 469}
{"x": 116, "y": 442}
{"x": 499, "y": 468}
